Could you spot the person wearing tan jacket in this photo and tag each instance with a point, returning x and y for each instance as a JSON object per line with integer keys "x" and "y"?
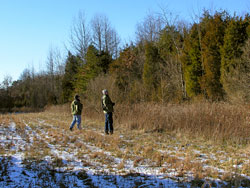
{"x": 107, "y": 106}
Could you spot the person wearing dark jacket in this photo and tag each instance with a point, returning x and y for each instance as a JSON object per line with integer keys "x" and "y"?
{"x": 76, "y": 109}
{"x": 107, "y": 106}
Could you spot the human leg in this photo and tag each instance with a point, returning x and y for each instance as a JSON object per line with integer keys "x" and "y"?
{"x": 78, "y": 120}
{"x": 106, "y": 123}
{"x": 73, "y": 122}
{"x": 111, "y": 123}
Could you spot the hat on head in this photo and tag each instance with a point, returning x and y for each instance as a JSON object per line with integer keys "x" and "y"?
{"x": 77, "y": 97}
{"x": 105, "y": 91}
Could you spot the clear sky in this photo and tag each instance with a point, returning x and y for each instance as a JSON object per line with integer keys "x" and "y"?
{"x": 28, "y": 28}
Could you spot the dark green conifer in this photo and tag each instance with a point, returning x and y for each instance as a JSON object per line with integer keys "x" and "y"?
{"x": 70, "y": 78}
{"x": 234, "y": 40}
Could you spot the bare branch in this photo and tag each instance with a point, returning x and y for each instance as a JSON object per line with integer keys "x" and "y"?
{"x": 105, "y": 38}
{"x": 80, "y": 37}
{"x": 150, "y": 28}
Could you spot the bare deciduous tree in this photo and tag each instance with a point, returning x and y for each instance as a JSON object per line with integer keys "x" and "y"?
{"x": 97, "y": 31}
{"x": 7, "y": 81}
{"x": 80, "y": 37}
{"x": 55, "y": 71}
{"x": 149, "y": 29}
{"x": 171, "y": 22}
{"x": 50, "y": 62}
{"x": 113, "y": 41}
{"x": 55, "y": 63}
{"x": 105, "y": 38}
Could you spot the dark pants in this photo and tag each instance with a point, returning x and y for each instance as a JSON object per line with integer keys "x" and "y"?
{"x": 108, "y": 123}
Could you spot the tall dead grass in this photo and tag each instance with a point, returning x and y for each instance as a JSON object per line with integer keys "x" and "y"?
{"x": 219, "y": 122}
{"x": 64, "y": 109}
{"x": 213, "y": 121}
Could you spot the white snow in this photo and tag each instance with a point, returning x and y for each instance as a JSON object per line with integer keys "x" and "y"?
{"x": 63, "y": 166}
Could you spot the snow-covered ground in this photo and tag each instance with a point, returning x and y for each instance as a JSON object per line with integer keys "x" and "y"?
{"x": 36, "y": 152}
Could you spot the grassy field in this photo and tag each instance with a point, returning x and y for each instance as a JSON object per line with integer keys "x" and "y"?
{"x": 188, "y": 145}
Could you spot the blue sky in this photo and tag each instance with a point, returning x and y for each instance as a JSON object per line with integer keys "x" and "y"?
{"x": 28, "y": 28}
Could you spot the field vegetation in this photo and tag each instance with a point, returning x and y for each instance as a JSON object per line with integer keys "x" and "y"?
{"x": 183, "y": 145}
{"x": 182, "y": 114}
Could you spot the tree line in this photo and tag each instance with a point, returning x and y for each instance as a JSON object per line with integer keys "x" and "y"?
{"x": 169, "y": 61}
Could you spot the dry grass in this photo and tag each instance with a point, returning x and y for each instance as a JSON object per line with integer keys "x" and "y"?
{"x": 4, "y": 120}
{"x": 138, "y": 161}
{"x": 218, "y": 122}
{"x": 174, "y": 138}
{"x": 121, "y": 165}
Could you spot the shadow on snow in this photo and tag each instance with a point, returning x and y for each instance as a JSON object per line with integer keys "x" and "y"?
{"x": 15, "y": 172}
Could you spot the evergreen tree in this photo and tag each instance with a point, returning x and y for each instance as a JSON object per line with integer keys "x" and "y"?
{"x": 105, "y": 61}
{"x": 234, "y": 40}
{"x": 89, "y": 70}
{"x": 211, "y": 45}
{"x": 192, "y": 62}
{"x": 70, "y": 79}
{"x": 151, "y": 65}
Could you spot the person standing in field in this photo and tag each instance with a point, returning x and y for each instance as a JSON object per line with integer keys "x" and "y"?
{"x": 107, "y": 106}
{"x": 76, "y": 109}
